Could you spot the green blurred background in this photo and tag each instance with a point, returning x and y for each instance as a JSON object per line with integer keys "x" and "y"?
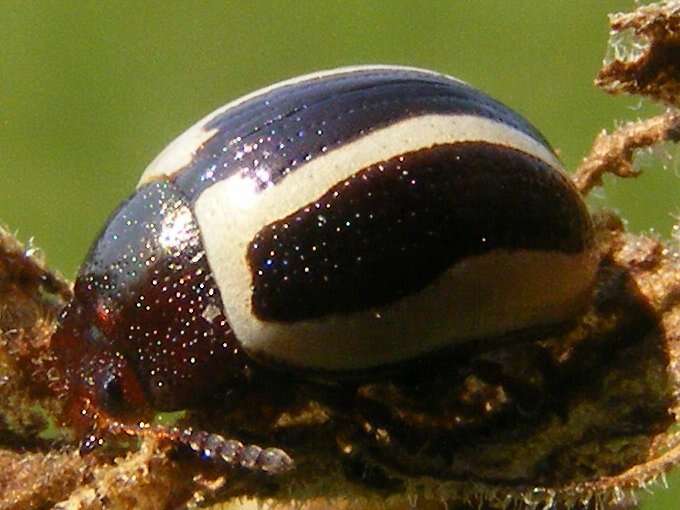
{"x": 90, "y": 92}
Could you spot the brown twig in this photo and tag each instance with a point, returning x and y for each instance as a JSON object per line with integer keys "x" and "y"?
{"x": 614, "y": 152}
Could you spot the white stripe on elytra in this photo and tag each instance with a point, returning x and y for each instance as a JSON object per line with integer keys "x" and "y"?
{"x": 232, "y": 211}
{"x": 181, "y": 150}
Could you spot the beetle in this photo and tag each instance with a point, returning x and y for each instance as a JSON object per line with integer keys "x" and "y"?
{"x": 339, "y": 222}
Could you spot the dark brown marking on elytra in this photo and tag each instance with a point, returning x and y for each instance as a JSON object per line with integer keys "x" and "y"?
{"x": 391, "y": 228}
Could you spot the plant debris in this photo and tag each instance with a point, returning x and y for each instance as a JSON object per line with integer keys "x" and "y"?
{"x": 645, "y": 47}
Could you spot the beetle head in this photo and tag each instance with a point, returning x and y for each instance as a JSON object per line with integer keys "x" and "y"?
{"x": 96, "y": 380}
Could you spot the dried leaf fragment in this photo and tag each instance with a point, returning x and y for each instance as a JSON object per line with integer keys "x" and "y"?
{"x": 649, "y": 62}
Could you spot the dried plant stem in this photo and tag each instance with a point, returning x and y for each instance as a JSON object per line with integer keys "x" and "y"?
{"x": 614, "y": 152}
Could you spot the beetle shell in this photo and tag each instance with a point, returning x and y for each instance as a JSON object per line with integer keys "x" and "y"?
{"x": 339, "y": 221}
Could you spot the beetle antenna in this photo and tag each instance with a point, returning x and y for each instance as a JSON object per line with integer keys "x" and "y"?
{"x": 215, "y": 448}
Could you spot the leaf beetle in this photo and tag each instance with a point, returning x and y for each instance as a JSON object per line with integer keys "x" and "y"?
{"x": 338, "y": 222}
